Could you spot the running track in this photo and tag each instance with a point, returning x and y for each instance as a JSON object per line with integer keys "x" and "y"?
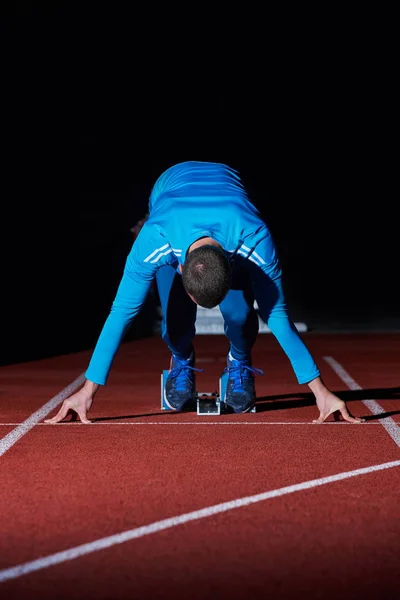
{"x": 149, "y": 504}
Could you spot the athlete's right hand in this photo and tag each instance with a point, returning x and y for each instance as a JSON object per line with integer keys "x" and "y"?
{"x": 79, "y": 403}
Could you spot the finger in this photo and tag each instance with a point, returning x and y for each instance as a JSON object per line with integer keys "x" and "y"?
{"x": 347, "y": 417}
{"x": 324, "y": 415}
{"x": 62, "y": 413}
{"x": 321, "y": 418}
{"x": 83, "y": 417}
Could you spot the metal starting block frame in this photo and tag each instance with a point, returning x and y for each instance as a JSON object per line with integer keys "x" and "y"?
{"x": 206, "y": 403}
{"x": 209, "y": 403}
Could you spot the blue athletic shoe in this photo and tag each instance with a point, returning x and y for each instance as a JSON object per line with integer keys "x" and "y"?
{"x": 240, "y": 387}
{"x": 180, "y": 387}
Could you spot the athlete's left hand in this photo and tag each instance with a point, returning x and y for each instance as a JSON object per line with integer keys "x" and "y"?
{"x": 329, "y": 404}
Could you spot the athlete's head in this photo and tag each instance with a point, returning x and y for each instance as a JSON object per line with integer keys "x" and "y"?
{"x": 206, "y": 275}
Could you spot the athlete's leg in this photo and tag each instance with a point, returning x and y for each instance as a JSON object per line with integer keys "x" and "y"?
{"x": 178, "y": 312}
{"x": 237, "y": 308}
{"x": 241, "y": 328}
{"x": 177, "y": 330}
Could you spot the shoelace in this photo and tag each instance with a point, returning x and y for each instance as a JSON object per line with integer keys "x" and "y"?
{"x": 239, "y": 373}
{"x": 181, "y": 373}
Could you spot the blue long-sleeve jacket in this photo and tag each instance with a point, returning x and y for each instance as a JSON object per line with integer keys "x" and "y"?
{"x": 188, "y": 201}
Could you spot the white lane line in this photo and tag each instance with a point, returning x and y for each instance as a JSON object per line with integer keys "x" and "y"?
{"x": 131, "y": 534}
{"x": 16, "y": 434}
{"x": 74, "y": 423}
{"x": 387, "y": 422}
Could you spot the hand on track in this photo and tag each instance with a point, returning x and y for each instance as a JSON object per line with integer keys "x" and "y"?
{"x": 79, "y": 403}
{"x": 328, "y": 404}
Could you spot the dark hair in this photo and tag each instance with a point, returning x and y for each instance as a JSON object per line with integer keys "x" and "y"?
{"x": 206, "y": 275}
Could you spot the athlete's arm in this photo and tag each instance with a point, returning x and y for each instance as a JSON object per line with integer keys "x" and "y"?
{"x": 139, "y": 271}
{"x": 267, "y": 281}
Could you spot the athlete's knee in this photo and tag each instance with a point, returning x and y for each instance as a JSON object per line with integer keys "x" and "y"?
{"x": 239, "y": 315}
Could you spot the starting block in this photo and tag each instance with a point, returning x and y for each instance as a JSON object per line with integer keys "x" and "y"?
{"x": 206, "y": 403}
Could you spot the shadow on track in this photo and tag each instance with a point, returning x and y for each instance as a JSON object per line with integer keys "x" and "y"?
{"x": 286, "y": 401}
{"x": 283, "y": 402}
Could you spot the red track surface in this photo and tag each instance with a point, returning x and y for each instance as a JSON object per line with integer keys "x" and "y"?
{"x": 71, "y": 484}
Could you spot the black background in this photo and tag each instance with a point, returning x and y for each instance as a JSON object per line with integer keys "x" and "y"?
{"x": 99, "y": 99}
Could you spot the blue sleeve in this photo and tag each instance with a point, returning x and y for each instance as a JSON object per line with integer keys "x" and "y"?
{"x": 149, "y": 252}
{"x": 269, "y": 294}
